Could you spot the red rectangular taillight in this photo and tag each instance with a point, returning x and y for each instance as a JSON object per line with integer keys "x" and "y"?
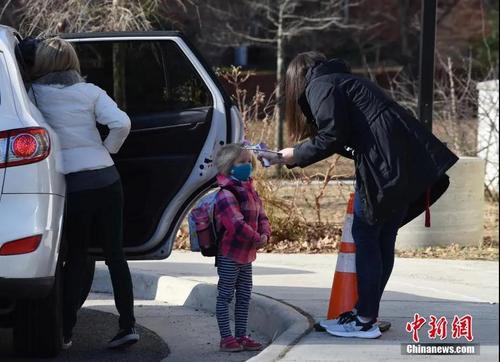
{"x": 21, "y": 246}
{"x": 23, "y": 146}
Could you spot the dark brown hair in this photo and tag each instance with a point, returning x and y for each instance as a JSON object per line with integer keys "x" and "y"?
{"x": 295, "y": 83}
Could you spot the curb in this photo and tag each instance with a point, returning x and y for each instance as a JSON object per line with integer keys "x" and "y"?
{"x": 280, "y": 322}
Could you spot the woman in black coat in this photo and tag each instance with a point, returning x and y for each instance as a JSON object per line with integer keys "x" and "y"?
{"x": 400, "y": 166}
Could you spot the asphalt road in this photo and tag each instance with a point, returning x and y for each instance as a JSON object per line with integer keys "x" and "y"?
{"x": 93, "y": 330}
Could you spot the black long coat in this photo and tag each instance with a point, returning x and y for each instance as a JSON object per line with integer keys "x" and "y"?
{"x": 398, "y": 161}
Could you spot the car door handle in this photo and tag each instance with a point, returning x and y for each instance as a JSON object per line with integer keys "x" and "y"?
{"x": 189, "y": 126}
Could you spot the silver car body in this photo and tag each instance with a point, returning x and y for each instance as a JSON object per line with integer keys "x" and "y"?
{"x": 32, "y": 195}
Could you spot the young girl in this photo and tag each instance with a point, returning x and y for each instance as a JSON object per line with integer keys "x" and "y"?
{"x": 94, "y": 191}
{"x": 243, "y": 228}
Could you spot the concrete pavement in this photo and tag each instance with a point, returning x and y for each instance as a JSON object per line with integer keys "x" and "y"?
{"x": 190, "y": 333}
{"x": 424, "y": 286}
{"x": 273, "y": 320}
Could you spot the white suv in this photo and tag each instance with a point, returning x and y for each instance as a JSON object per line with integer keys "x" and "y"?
{"x": 180, "y": 117}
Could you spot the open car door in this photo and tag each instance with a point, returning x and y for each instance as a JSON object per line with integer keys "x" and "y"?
{"x": 180, "y": 118}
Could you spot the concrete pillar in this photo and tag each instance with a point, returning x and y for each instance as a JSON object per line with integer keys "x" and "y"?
{"x": 457, "y": 217}
{"x": 241, "y": 56}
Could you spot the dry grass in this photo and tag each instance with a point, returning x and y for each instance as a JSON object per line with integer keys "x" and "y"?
{"x": 307, "y": 207}
{"x": 491, "y": 222}
{"x": 48, "y": 17}
{"x": 263, "y": 131}
{"x": 296, "y": 229}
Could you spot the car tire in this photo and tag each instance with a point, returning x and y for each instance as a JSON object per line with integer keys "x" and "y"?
{"x": 88, "y": 278}
{"x": 38, "y": 324}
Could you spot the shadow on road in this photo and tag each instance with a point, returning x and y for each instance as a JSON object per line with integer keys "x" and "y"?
{"x": 93, "y": 330}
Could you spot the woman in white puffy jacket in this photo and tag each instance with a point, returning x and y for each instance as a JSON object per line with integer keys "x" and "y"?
{"x": 94, "y": 191}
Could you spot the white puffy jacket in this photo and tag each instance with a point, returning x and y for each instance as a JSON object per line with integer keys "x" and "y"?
{"x": 72, "y": 111}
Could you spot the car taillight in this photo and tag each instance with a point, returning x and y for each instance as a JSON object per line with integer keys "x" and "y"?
{"x": 23, "y": 146}
{"x": 21, "y": 246}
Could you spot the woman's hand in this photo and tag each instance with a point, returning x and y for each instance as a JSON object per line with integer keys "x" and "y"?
{"x": 287, "y": 156}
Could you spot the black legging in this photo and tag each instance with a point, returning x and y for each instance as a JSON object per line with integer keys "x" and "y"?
{"x": 89, "y": 213}
{"x": 374, "y": 257}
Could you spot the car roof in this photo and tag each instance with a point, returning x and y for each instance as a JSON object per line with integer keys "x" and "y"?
{"x": 7, "y": 37}
{"x": 122, "y": 34}
{"x": 5, "y": 27}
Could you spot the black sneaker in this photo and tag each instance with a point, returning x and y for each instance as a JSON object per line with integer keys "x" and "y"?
{"x": 125, "y": 337}
{"x": 67, "y": 343}
{"x": 353, "y": 328}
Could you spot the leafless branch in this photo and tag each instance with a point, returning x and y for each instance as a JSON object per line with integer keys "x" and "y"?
{"x": 6, "y": 5}
{"x": 249, "y": 37}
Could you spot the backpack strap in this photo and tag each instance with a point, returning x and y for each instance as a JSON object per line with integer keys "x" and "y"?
{"x": 234, "y": 191}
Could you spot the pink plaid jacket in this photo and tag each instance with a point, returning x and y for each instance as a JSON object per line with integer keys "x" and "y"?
{"x": 240, "y": 219}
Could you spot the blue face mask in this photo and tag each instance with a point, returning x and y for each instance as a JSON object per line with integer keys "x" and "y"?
{"x": 242, "y": 172}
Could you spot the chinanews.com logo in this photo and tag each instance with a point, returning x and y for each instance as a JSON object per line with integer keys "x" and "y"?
{"x": 439, "y": 329}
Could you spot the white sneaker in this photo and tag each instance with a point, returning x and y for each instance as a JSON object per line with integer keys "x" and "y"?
{"x": 354, "y": 328}
{"x": 333, "y": 324}
{"x": 328, "y": 323}
{"x": 67, "y": 343}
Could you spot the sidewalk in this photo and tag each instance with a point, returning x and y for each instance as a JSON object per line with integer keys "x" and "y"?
{"x": 424, "y": 286}
{"x": 191, "y": 334}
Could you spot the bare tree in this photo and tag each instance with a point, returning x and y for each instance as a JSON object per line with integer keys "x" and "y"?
{"x": 391, "y": 32}
{"x": 273, "y": 23}
{"x": 468, "y": 125}
{"x": 454, "y": 107}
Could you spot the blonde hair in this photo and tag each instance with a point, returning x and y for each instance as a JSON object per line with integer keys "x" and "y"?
{"x": 227, "y": 155}
{"x": 54, "y": 55}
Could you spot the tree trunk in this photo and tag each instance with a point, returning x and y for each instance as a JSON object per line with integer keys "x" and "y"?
{"x": 280, "y": 72}
{"x": 280, "y": 93}
{"x": 119, "y": 74}
{"x": 404, "y": 22}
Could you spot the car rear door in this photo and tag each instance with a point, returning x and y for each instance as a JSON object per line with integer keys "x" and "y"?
{"x": 180, "y": 117}
{"x": 8, "y": 114}
{"x": 3, "y": 94}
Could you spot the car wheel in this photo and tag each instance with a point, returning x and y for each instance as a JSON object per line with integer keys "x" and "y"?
{"x": 88, "y": 278}
{"x": 38, "y": 324}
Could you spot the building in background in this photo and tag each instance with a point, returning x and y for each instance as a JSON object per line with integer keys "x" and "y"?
{"x": 487, "y": 135}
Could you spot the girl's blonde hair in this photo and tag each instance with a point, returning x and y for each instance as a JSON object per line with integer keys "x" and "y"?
{"x": 227, "y": 155}
{"x": 54, "y": 55}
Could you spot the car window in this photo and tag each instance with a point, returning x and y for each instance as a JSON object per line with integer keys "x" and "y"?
{"x": 144, "y": 77}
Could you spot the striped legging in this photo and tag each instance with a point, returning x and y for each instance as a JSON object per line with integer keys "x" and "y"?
{"x": 233, "y": 276}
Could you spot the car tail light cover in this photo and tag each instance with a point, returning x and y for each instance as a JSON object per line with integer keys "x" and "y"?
{"x": 23, "y": 146}
{"x": 21, "y": 246}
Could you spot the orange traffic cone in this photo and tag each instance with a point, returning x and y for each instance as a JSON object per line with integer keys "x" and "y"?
{"x": 344, "y": 288}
